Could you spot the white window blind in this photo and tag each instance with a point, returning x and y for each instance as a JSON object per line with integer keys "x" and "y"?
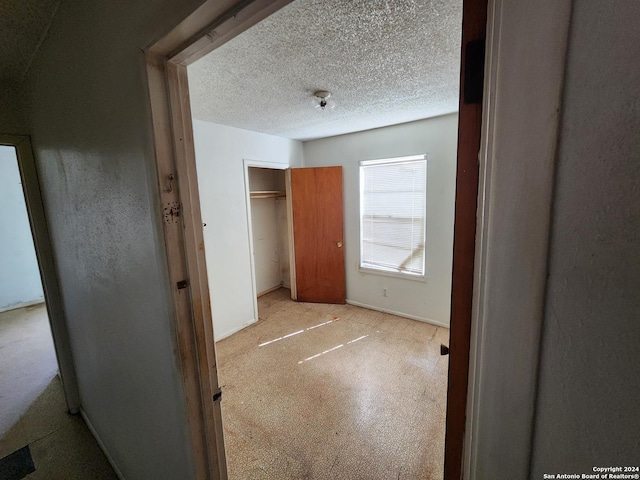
{"x": 393, "y": 201}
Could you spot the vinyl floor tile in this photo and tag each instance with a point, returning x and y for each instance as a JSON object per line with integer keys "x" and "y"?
{"x": 316, "y": 391}
{"x": 33, "y": 407}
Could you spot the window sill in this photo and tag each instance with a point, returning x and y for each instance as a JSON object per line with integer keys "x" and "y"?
{"x": 386, "y": 273}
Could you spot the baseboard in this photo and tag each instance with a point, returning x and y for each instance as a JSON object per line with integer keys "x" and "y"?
{"x": 22, "y": 305}
{"x": 399, "y": 314}
{"x": 101, "y": 445}
{"x": 269, "y": 290}
{"x": 235, "y": 330}
{"x": 273, "y": 289}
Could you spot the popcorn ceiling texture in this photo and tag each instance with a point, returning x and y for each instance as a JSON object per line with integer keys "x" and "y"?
{"x": 385, "y": 62}
{"x": 23, "y": 26}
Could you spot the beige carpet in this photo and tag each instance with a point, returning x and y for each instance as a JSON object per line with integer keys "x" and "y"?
{"x": 315, "y": 391}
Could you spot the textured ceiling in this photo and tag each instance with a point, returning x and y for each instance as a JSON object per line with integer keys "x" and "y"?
{"x": 385, "y": 62}
{"x": 24, "y": 24}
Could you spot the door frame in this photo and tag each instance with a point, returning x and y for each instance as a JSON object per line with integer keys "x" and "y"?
{"x": 526, "y": 49}
{"x": 470, "y": 121}
{"x": 166, "y": 65}
{"x": 46, "y": 265}
{"x": 247, "y": 163}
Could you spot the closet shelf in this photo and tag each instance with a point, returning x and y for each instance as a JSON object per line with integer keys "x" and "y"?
{"x": 268, "y": 194}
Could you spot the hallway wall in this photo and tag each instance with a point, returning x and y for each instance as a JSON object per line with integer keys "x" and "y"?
{"x": 567, "y": 147}
{"x": 587, "y": 411}
{"x": 88, "y": 116}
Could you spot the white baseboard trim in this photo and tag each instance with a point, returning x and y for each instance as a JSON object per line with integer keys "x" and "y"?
{"x": 269, "y": 290}
{"x": 235, "y": 330}
{"x": 22, "y": 305}
{"x": 399, "y": 314}
{"x": 101, "y": 445}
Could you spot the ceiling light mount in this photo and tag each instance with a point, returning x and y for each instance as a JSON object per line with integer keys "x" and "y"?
{"x": 322, "y": 99}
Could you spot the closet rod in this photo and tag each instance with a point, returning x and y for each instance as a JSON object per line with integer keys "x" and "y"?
{"x": 267, "y": 194}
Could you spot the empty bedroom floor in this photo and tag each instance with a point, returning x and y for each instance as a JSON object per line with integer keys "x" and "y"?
{"x": 333, "y": 392}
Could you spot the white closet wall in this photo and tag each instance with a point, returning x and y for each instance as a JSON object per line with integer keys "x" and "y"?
{"x": 269, "y": 227}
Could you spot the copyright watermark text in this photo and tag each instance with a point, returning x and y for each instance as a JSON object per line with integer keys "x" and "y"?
{"x": 599, "y": 473}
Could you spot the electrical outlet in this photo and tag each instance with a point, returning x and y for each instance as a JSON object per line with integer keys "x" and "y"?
{"x": 384, "y": 292}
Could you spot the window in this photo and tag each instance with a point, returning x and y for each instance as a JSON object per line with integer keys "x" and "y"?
{"x": 393, "y": 201}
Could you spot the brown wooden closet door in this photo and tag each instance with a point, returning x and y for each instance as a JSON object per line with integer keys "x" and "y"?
{"x": 316, "y": 201}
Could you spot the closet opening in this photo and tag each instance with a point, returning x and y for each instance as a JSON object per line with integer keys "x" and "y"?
{"x": 269, "y": 222}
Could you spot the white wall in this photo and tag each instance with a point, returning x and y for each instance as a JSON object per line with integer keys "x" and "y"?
{"x": 269, "y": 231}
{"x": 220, "y": 152}
{"x": 587, "y": 407}
{"x": 266, "y": 255}
{"x": 19, "y": 275}
{"x": 437, "y": 137}
{"x": 89, "y": 119}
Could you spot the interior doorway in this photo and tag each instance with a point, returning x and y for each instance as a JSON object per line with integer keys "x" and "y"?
{"x": 20, "y": 284}
{"x": 269, "y": 229}
{"x": 269, "y": 218}
{"x": 28, "y": 365}
{"x": 171, "y": 77}
{"x": 27, "y": 193}
{"x": 36, "y": 376}
{"x": 408, "y": 172}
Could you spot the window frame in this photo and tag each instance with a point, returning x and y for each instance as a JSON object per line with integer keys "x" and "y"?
{"x": 381, "y": 270}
